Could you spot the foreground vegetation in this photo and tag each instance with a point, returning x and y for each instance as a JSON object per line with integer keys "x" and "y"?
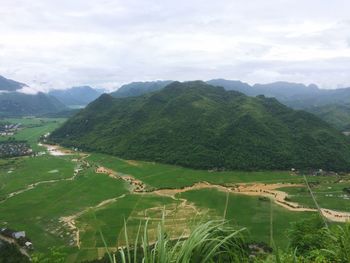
{"x": 216, "y": 241}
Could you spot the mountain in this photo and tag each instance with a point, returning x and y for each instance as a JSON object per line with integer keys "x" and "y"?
{"x": 10, "y": 85}
{"x": 198, "y": 125}
{"x": 286, "y": 90}
{"x": 330, "y": 105}
{"x": 337, "y": 115}
{"x": 76, "y": 96}
{"x": 20, "y": 104}
{"x": 138, "y": 88}
{"x": 295, "y": 95}
{"x": 321, "y": 98}
{"x": 234, "y": 85}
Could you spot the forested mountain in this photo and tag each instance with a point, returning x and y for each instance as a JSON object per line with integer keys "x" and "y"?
{"x": 202, "y": 126}
{"x": 76, "y": 96}
{"x": 295, "y": 95}
{"x": 337, "y": 115}
{"x": 10, "y": 85}
{"x": 20, "y": 104}
{"x": 330, "y": 105}
{"x": 138, "y": 88}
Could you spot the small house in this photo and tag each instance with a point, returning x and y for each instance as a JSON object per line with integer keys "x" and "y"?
{"x": 19, "y": 234}
{"x": 28, "y": 245}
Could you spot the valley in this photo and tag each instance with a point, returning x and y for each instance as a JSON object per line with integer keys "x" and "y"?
{"x": 80, "y": 201}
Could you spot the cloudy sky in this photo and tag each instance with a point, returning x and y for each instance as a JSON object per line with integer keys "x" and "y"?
{"x": 105, "y": 43}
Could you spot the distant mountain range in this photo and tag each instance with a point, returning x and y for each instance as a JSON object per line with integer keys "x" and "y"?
{"x": 20, "y": 104}
{"x": 76, "y": 96}
{"x": 15, "y": 103}
{"x": 55, "y": 103}
{"x": 198, "y": 125}
{"x": 330, "y": 105}
{"x": 10, "y": 85}
{"x": 295, "y": 95}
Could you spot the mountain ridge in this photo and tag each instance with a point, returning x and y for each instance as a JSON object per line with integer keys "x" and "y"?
{"x": 76, "y": 96}
{"x": 198, "y": 125}
{"x": 10, "y": 85}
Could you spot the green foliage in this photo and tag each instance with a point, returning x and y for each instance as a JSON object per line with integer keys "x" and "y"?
{"x": 196, "y": 125}
{"x": 315, "y": 243}
{"x": 308, "y": 235}
{"x": 9, "y": 253}
{"x": 54, "y": 255}
{"x": 213, "y": 241}
{"x": 337, "y": 115}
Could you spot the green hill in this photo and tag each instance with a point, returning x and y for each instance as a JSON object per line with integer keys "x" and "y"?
{"x": 197, "y": 125}
{"x": 337, "y": 115}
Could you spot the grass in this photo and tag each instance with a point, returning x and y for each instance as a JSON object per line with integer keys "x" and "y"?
{"x": 328, "y": 194}
{"x": 38, "y": 211}
{"x": 247, "y": 211}
{"x": 17, "y": 173}
{"x": 212, "y": 241}
{"x": 170, "y": 176}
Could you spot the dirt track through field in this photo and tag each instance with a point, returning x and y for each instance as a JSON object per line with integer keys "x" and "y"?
{"x": 34, "y": 185}
{"x": 271, "y": 191}
{"x": 252, "y": 189}
{"x": 70, "y": 221}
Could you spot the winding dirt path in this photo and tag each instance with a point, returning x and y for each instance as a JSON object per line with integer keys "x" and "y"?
{"x": 136, "y": 185}
{"x": 55, "y": 151}
{"x": 265, "y": 190}
{"x": 252, "y": 189}
{"x": 271, "y": 191}
{"x": 70, "y": 221}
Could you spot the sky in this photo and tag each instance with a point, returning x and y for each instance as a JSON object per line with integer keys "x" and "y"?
{"x": 62, "y": 43}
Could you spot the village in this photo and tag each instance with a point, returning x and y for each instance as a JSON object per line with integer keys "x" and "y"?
{"x": 13, "y": 148}
{"x": 9, "y": 129}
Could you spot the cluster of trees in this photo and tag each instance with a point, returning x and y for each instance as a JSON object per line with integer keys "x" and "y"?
{"x": 9, "y": 253}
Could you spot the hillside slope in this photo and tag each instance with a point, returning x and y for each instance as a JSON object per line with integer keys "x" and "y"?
{"x": 338, "y": 115}
{"x": 20, "y": 104}
{"x": 197, "y": 125}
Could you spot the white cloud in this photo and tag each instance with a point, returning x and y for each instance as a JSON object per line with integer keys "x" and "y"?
{"x": 57, "y": 44}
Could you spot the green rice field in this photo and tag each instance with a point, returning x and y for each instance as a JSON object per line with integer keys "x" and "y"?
{"x": 68, "y": 189}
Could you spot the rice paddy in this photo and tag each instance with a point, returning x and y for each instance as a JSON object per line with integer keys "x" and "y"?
{"x": 61, "y": 201}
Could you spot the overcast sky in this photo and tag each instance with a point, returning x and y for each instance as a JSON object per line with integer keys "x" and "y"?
{"x": 105, "y": 43}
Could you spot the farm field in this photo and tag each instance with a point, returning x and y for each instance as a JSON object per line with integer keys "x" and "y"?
{"x": 61, "y": 201}
{"x": 330, "y": 194}
{"x": 170, "y": 176}
{"x": 33, "y": 128}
